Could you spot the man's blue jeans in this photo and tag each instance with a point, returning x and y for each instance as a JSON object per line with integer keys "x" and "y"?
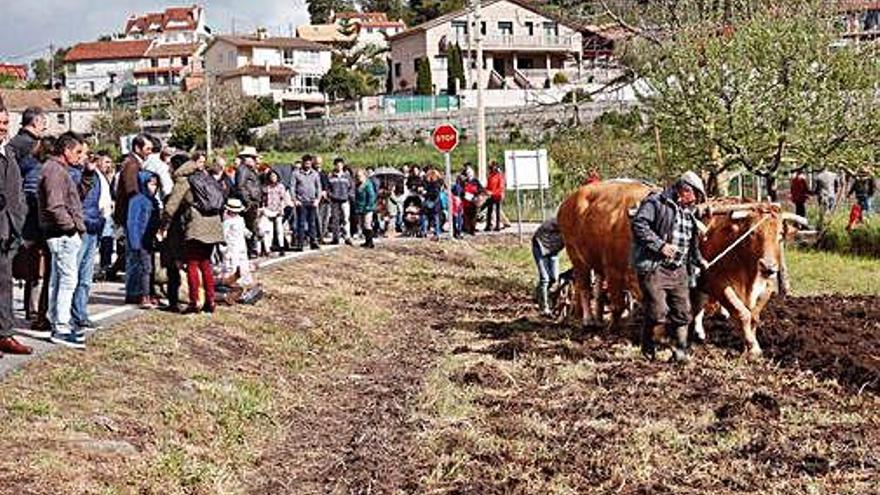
{"x": 548, "y": 266}
{"x": 427, "y": 218}
{"x": 132, "y": 275}
{"x": 306, "y": 216}
{"x": 865, "y": 204}
{"x": 86, "y": 261}
{"x": 62, "y": 280}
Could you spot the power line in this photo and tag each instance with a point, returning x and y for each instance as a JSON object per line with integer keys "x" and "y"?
{"x": 24, "y": 55}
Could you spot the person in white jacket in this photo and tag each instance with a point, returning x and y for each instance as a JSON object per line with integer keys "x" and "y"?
{"x": 235, "y": 252}
{"x": 157, "y": 162}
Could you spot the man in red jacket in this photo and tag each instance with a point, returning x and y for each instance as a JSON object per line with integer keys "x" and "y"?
{"x": 495, "y": 187}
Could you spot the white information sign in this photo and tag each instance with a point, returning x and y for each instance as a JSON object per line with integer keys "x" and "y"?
{"x": 526, "y": 169}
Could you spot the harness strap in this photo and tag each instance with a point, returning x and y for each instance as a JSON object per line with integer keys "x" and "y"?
{"x": 738, "y": 241}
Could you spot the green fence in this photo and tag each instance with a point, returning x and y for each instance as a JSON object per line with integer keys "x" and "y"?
{"x": 422, "y": 104}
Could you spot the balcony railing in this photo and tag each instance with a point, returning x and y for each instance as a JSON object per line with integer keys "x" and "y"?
{"x": 522, "y": 42}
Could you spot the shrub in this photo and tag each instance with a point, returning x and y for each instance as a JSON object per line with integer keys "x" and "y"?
{"x": 560, "y": 79}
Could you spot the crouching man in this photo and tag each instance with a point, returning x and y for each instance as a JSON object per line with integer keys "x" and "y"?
{"x": 665, "y": 255}
{"x": 547, "y": 243}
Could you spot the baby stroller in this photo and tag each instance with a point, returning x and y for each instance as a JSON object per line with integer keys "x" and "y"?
{"x": 412, "y": 216}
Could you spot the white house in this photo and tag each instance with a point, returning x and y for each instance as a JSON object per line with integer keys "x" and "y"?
{"x": 90, "y": 68}
{"x": 522, "y": 48}
{"x": 174, "y": 25}
{"x": 156, "y": 52}
{"x": 287, "y": 69}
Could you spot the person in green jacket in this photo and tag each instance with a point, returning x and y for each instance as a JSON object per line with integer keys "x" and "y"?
{"x": 365, "y": 205}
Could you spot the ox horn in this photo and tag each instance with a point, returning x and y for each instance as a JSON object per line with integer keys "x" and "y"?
{"x": 791, "y": 217}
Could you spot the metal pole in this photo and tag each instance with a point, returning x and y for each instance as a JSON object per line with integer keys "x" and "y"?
{"x": 208, "y": 143}
{"x": 541, "y": 189}
{"x": 481, "y": 103}
{"x": 448, "y": 160}
{"x": 518, "y": 199}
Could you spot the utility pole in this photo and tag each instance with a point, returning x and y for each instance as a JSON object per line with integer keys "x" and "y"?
{"x": 208, "y": 144}
{"x": 51, "y": 66}
{"x": 481, "y": 103}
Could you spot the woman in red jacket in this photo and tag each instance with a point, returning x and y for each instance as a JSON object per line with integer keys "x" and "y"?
{"x": 495, "y": 188}
{"x": 799, "y": 192}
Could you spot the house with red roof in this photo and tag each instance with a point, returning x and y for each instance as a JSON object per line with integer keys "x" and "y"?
{"x": 174, "y": 25}
{"x": 15, "y": 71}
{"x": 157, "y": 51}
{"x": 287, "y": 69}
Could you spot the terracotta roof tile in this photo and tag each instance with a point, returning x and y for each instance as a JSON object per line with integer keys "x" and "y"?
{"x": 251, "y": 41}
{"x": 17, "y": 100}
{"x": 108, "y": 50}
{"x": 161, "y": 21}
{"x": 173, "y": 50}
{"x": 259, "y": 70}
{"x": 19, "y": 72}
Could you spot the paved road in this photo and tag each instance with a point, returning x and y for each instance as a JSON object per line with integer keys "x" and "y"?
{"x": 107, "y": 304}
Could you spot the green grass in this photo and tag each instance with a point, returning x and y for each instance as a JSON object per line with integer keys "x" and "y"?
{"x": 815, "y": 272}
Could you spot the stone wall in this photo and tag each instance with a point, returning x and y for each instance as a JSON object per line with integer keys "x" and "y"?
{"x": 502, "y": 124}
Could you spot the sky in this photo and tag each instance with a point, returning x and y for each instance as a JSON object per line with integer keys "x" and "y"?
{"x": 28, "y": 27}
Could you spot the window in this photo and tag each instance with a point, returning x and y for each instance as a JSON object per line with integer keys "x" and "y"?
{"x": 308, "y": 58}
{"x": 551, "y": 29}
{"x": 230, "y": 58}
{"x": 416, "y": 66}
{"x": 459, "y": 29}
{"x": 483, "y": 27}
{"x": 506, "y": 28}
{"x": 62, "y": 120}
{"x": 288, "y": 56}
{"x": 530, "y": 28}
{"x": 154, "y": 62}
{"x": 397, "y": 69}
{"x": 184, "y": 61}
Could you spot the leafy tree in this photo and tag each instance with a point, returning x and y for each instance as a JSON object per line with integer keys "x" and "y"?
{"x": 396, "y": 9}
{"x": 455, "y": 70}
{"x": 319, "y": 10}
{"x": 232, "y": 115}
{"x": 425, "y": 10}
{"x": 342, "y": 82}
{"x": 424, "y": 85}
{"x": 41, "y": 69}
{"x": 109, "y": 126}
{"x": 766, "y": 93}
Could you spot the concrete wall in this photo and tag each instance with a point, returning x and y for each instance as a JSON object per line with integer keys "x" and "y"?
{"x": 501, "y": 124}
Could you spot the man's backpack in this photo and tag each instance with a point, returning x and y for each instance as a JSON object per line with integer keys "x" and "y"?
{"x": 207, "y": 194}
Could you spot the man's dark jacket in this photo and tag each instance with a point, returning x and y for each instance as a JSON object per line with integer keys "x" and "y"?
{"x": 12, "y": 204}
{"x": 652, "y": 227}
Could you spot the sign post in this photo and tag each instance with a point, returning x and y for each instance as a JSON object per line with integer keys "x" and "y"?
{"x": 445, "y": 138}
{"x": 527, "y": 170}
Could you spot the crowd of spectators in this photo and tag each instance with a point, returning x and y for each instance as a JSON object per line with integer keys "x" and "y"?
{"x": 71, "y": 216}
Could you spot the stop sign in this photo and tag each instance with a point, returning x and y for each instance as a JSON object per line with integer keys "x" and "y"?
{"x": 445, "y": 138}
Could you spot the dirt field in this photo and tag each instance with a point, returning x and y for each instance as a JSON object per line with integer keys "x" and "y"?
{"x": 422, "y": 368}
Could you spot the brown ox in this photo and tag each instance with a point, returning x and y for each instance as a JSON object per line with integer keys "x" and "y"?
{"x": 595, "y": 225}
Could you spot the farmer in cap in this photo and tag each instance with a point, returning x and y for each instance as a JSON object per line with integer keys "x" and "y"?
{"x": 665, "y": 240}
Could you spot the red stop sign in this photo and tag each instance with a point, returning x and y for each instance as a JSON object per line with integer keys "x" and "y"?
{"x": 445, "y": 138}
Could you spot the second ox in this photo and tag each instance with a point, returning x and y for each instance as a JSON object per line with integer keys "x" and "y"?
{"x": 744, "y": 239}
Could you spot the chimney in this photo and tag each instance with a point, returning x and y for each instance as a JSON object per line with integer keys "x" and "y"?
{"x": 262, "y": 33}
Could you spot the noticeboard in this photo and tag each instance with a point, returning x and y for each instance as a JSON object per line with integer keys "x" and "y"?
{"x": 526, "y": 169}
